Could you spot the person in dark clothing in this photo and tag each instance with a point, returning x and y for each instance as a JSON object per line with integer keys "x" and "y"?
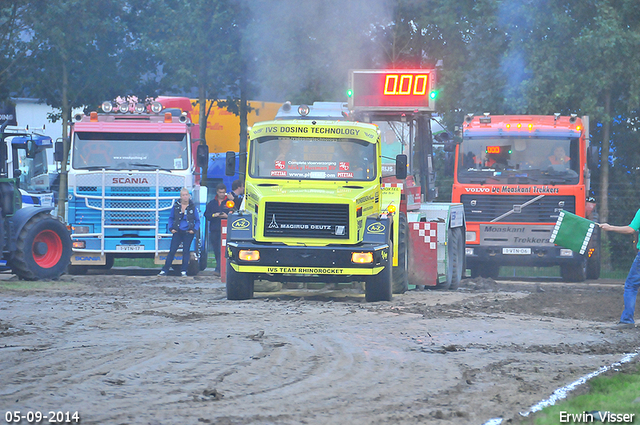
{"x": 217, "y": 210}
{"x": 184, "y": 222}
{"x": 236, "y": 194}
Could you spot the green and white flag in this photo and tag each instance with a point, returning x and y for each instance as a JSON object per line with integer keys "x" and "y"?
{"x": 572, "y": 231}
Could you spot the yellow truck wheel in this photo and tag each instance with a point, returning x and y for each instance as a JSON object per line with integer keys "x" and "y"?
{"x": 239, "y": 285}
{"x": 378, "y": 287}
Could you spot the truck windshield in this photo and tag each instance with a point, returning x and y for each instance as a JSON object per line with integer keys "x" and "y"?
{"x": 518, "y": 161}
{"x": 312, "y": 159}
{"x": 33, "y": 171}
{"x": 130, "y": 151}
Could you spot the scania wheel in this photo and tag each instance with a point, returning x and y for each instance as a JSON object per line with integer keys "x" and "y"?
{"x": 43, "y": 249}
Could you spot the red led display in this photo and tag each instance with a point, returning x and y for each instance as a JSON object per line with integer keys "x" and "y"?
{"x": 493, "y": 149}
{"x": 392, "y": 90}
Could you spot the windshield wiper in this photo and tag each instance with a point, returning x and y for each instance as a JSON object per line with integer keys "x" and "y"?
{"x": 97, "y": 167}
{"x": 157, "y": 167}
{"x": 479, "y": 181}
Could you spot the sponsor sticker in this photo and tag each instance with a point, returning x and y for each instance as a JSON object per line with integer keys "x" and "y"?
{"x": 376, "y": 228}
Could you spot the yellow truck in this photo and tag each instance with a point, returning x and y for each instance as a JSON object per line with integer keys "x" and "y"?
{"x": 314, "y": 205}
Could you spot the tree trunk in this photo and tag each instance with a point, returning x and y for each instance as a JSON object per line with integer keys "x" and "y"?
{"x": 243, "y": 126}
{"x": 202, "y": 99}
{"x": 604, "y": 175}
{"x": 66, "y": 113}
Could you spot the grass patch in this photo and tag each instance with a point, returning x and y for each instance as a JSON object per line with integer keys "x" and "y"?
{"x": 147, "y": 263}
{"x": 515, "y": 272}
{"x": 618, "y": 394}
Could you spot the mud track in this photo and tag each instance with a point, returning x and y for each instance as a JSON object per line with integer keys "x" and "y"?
{"x": 131, "y": 348}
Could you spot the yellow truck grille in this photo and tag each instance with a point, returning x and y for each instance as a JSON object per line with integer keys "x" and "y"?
{"x": 306, "y": 220}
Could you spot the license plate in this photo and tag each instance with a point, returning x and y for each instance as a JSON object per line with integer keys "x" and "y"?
{"x": 516, "y": 251}
{"x": 129, "y": 247}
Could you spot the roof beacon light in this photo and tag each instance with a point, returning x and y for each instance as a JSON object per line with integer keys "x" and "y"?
{"x": 140, "y": 108}
{"x": 156, "y": 107}
{"x": 107, "y": 106}
{"x": 486, "y": 119}
{"x": 123, "y": 107}
{"x": 530, "y": 127}
{"x": 167, "y": 117}
{"x": 303, "y": 110}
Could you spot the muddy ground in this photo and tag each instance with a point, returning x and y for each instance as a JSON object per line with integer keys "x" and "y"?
{"x": 132, "y": 348}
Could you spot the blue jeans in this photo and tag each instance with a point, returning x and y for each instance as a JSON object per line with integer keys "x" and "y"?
{"x": 186, "y": 238}
{"x": 631, "y": 286}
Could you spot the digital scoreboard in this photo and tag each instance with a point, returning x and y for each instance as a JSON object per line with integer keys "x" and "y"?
{"x": 392, "y": 90}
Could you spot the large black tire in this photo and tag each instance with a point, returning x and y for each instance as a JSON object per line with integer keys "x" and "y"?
{"x": 455, "y": 259}
{"x": 593, "y": 262}
{"x": 193, "y": 268}
{"x": 378, "y": 287}
{"x": 239, "y": 285}
{"x": 575, "y": 272}
{"x": 485, "y": 270}
{"x": 401, "y": 271}
{"x": 43, "y": 249}
{"x": 458, "y": 260}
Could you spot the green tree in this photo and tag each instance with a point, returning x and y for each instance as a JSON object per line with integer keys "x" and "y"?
{"x": 13, "y": 48}
{"x": 79, "y": 62}
{"x": 198, "y": 43}
{"x": 584, "y": 58}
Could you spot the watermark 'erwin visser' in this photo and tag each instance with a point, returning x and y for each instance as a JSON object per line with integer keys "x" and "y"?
{"x": 587, "y": 417}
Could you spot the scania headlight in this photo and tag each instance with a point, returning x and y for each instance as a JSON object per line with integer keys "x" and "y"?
{"x": 80, "y": 229}
{"x": 107, "y": 106}
{"x": 156, "y": 107}
{"x": 249, "y": 255}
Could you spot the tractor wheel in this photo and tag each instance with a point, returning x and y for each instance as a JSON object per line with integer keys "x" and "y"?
{"x": 401, "y": 271}
{"x": 239, "y": 285}
{"x": 43, "y": 249}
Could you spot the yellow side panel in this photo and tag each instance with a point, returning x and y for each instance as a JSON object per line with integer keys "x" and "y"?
{"x": 223, "y": 127}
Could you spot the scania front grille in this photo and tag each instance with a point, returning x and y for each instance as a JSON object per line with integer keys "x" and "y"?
{"x": 317, "y": 221}
{"x": 516, "y": 208}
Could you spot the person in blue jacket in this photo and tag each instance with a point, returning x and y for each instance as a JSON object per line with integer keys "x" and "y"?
{"x": 184, "y": 222}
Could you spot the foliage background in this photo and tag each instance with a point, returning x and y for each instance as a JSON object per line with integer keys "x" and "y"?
{"x": 498, "y": 56}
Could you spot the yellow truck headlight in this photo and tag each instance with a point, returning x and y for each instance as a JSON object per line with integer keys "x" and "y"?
{"x": 249, "y": 255}
{"x": 361, "y": 257}
{"x": 79, "y": 244}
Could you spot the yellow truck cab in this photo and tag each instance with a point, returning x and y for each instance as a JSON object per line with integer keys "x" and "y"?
{"x": 314, "y": 208}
